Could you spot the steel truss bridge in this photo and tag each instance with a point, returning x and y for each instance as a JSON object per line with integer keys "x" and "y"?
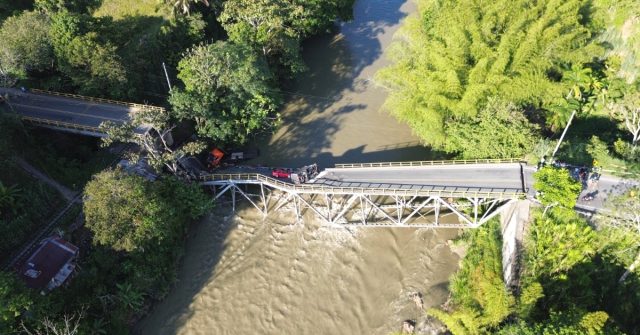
{"x": 435, "y": 194}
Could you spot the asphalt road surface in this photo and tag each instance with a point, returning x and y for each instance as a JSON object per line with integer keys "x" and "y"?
{"x": 477, "y": 177}
{"x": 68, "y": 110}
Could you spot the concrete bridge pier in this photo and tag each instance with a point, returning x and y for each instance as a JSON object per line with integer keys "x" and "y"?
{"x": 513, "y": 222}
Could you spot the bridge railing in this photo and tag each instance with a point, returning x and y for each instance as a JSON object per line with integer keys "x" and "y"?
{"x": 430, "y": 163}
{"x": 320, "y": 188}
{"x": 61, "y": 124}
{"x": 100, "y": 100}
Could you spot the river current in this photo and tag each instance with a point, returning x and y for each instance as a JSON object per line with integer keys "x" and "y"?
{"x": 244, "y": 274}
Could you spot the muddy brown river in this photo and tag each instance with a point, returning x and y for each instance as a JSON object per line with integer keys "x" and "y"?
{"x": 245, "y": 274}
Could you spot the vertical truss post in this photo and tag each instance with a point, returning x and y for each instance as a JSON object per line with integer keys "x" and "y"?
{"x": 329, "y": 209}
{"x": 264, "y": 200}
{"x": 476, "y": 201}
{"x": 399, "y": 208}
{"x": 436, "y": 211}
{"x": 233, "y": 197}
{"x": 297, "y": 208}
{"x": 363, "y": 210}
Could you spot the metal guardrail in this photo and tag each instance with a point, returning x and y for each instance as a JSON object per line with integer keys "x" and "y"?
{"x": 430, "y": 163}
{"x": 100, "y": 100}
{"x": 61, "y": 124}
{"x": 319, "y": 188}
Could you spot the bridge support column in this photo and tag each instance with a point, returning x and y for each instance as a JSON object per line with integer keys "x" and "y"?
{"x": 514, "y": 219}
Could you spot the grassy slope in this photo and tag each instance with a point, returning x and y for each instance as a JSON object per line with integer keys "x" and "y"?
{"x": 119, "y": 9}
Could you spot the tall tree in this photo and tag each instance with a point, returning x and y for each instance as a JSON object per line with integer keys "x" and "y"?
{"x": 14, "y": 302}
{"x": 276, "y": 27}
{"x": 623, "y": 225}
{"x": 456, "y": 54}
{"x": 556, "y": 187}
{"x": 25, "y": 46}
{"x": 127, "y": 213}
{"x": 628, "y": 111}
{"x": 155, "y": 141}
{"x": 479, "y": 299}
{"x": 93, "y": 65}
{"x": 500, "y": 130}
{"x": 227, "y": 92}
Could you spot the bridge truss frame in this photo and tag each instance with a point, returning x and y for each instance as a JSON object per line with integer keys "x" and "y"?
{"x": 365, "y": 207}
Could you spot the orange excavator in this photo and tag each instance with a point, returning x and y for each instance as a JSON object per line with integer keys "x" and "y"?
{"x": 215, "y": 158}
{"x": 218, "y": 157}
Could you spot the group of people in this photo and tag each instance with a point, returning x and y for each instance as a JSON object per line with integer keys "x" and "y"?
{"x": 588, "y": 176}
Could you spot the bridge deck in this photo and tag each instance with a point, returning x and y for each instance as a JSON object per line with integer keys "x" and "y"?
{"x": 66, "y": 111}
{"x": 484, "y": 180}
{"x": 474, "y": 177}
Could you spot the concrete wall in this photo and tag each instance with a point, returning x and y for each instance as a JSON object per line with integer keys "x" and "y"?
{"x": 513, "y": 219}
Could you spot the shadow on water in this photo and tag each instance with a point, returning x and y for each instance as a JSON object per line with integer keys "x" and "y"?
{"x": 336, "y": 89}
{"x": 206, "y": 237}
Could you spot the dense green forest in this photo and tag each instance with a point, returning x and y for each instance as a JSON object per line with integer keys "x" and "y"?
{"x": 226, "y": 61}
{"x": 497, "y": 79}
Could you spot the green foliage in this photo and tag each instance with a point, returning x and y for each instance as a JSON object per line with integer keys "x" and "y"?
{"x": 126, "y": 212}
{"x": 556, "y": 187}
{"x": 25, "y": 45}
{"x": 227, "y": 92}
{"x": 500, "y": 130}
{"x": 530, "y": 293}
{"x": 626, "y": 151}
{"x": 27, "y": 204}
{"x": 571, "y": 323}
{"x": 9, "y": 197}
{"x": 275, "y": 28}
{"x": 14, "y": 302}
{"x": 457, "y": 54}
{"x": 558, "y": 242}
{"x": 479, "y": 296}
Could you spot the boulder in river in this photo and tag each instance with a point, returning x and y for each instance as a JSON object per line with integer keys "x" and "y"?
{"x": 408, "y": 326}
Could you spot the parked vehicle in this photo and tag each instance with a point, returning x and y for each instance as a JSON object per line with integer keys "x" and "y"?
{"x": 588, "y": 197}
{"x": 218, "y": 156}
{"x": 281, "y": 173}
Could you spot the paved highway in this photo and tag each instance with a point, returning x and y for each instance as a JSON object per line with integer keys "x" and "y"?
{"x": 68, "y": 110}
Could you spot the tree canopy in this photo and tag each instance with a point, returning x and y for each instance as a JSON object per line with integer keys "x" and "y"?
{"x": 227, "y": 92}
{"x": 499, "y": 130}
{"x": 556, "y": 187}
{"x": 14, "y": 301}
{"x": 275, "y": 28}
{"x": 25, "y": 45}
{"x": 457, "y": 54}
{"x": 479, "y": 298}
{"x": 126, "y": 212}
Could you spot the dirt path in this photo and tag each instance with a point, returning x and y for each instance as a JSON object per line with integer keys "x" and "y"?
{"x": 66, "y": 192}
